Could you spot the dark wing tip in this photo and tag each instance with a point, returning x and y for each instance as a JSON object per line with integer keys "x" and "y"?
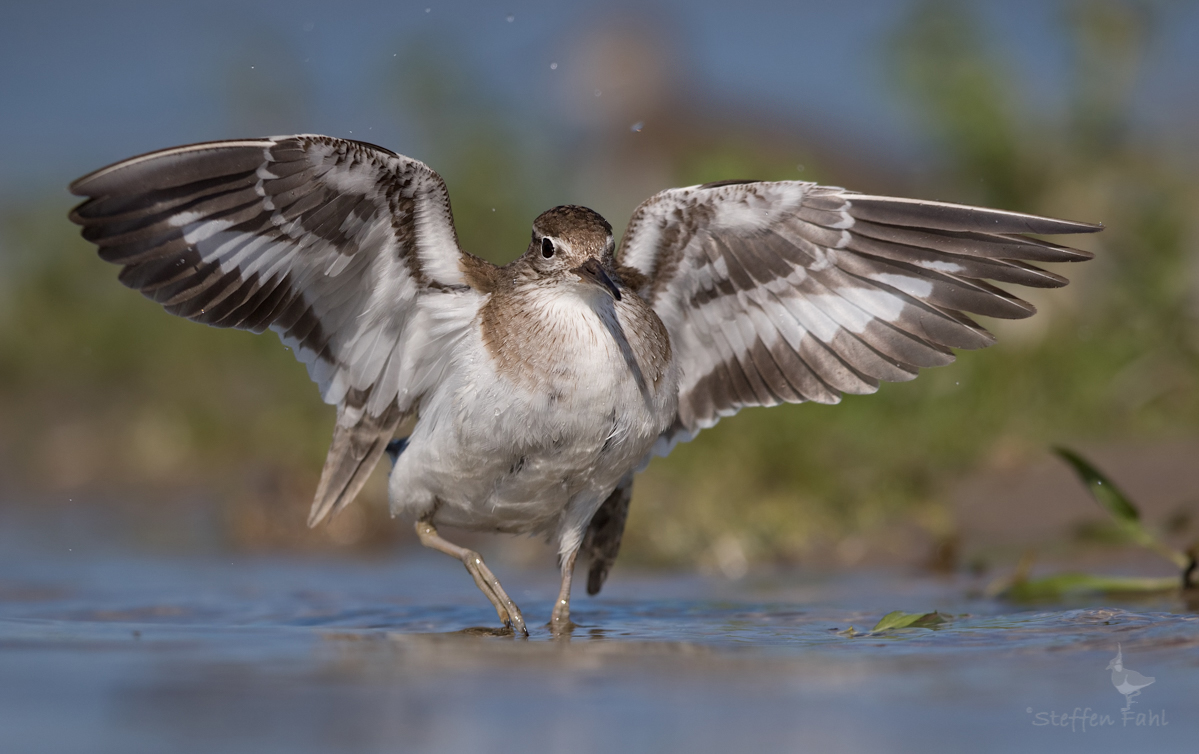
{"x": 1066, "y": 226}
{"x": 597, "y": 574}
{"x": 1080, "y": 255}
{"x": 959, "y": 217}
{"x": 728, "y": 182}
{"x": 1045, "y": 251}
{"x": 93, "y": 184}
{"x": 375, "y": 147}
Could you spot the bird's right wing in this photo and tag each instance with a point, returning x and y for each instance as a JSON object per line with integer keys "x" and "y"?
{"x": 787, "y": 292}
{"x": 344, "y": 249}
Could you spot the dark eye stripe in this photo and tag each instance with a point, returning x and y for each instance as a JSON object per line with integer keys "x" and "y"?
{"x": 547, "y": 248}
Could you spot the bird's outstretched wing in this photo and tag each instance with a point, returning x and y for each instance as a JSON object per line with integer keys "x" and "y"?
{"x": 344, "y": 249}
{"x": 789, "y": 291}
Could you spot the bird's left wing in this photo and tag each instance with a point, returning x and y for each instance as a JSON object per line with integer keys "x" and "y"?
{"x": 788, "y": 291}
{"x": 344, "y": 249}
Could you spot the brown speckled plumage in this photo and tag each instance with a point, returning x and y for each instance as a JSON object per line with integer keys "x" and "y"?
{"x": 526, "y": 344}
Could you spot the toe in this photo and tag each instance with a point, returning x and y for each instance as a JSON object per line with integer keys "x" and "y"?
{"x": 518, "y": 621}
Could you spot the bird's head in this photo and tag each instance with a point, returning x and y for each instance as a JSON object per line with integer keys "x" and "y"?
{"x": 1117, "y": 662}
{"x": 573, "y": 241}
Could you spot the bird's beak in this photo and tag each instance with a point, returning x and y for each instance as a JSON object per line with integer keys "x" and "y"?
{"x": 593, "y": 271}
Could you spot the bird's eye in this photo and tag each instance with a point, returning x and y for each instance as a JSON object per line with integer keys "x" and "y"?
{"x": 547, "y": 248}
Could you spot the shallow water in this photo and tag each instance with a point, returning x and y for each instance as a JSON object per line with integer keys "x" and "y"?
{"x": 106, "y": 651}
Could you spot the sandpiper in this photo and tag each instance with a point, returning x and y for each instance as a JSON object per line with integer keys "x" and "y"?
{"x": 540, "y": 387}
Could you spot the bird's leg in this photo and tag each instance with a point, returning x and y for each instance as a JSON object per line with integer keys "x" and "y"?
{"x": 488, "y": 584}
{"x": 560, "y": 620}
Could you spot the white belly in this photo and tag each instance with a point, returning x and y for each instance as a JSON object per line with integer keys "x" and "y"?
{"x": 509, "y": 453}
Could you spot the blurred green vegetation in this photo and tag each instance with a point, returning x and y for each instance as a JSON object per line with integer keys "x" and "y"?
{"x": 101, "y": 390}
{"x": 1126, "y": 525}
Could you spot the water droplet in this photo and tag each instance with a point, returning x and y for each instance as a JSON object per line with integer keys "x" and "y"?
{"x": 308, "y": 26}
{"x": 799, "y": 167}
{"x": 636, "y": 127}
{"x": 427, "y": 10}
{"x": 553, "y": 66}
{"x": 511, "y": 18}
{"x": 598, "y": 92}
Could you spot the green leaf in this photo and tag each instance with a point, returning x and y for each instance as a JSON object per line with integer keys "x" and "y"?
{"x": 1101, "y": 488}
{"x": 1063, "y": 585}
{"x": 900, "y": 619}
{"x": 1117, "y": 503}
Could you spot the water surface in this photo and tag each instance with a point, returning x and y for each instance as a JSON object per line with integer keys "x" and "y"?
{"x": 107, "y": 650}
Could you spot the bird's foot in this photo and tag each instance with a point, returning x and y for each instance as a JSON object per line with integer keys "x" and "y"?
{"x": 488, "y": 584}
{"x": 507, "y": 610}
{"x": 560, "y": 624}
